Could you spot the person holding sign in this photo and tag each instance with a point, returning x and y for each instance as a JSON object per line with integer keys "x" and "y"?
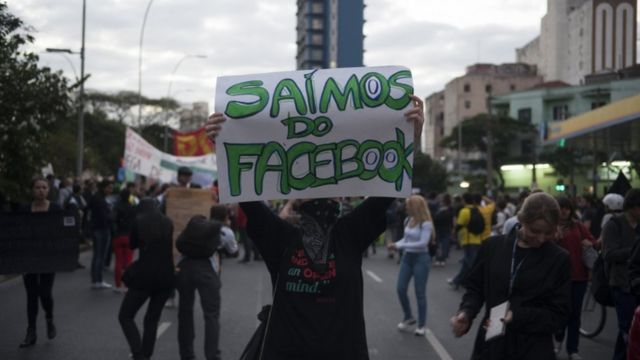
{"x": 39, "y": 286}
{"x": 315, "y": 267}
{"x": 523, "y": 280}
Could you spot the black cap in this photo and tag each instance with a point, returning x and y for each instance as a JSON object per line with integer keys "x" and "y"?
{"x": 184, "y": 170}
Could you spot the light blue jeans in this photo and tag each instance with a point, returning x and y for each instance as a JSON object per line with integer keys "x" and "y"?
{"x": 414, "y": 265}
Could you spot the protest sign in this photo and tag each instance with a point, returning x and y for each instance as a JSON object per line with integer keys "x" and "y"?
{"x": 183, "y": 204}
{"x": 315, "y": 133}
{"x": 38, "y": 242}
{"x": 142, "y": 158}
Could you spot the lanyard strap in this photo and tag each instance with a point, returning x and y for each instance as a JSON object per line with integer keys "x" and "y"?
{"x": 514, "y": 268}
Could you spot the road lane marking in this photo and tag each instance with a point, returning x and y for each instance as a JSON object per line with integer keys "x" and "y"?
{"x": 437, "y": 345}
{"x": 374, "y": 276}
{"x": 162, "y": 328}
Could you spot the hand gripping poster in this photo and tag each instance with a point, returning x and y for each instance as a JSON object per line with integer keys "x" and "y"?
{"x": 315, "y": 133}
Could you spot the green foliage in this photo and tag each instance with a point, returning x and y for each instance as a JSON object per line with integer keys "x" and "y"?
{"x": 32, "y": 99}
{"x": 475, "y": 132}
{"x": 122, "y": 104}
{"x": 428, "y": 175}
{"x": 154, "y": 134}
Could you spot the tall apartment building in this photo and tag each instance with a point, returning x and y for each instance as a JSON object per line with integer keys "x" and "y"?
{"x": 467, "y": 95}
{"x": 330, "y": 33}
{"x": 582, "y": 37}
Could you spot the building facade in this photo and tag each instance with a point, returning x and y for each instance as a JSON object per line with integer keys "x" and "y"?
{"x": 330, "y": 33}
{"x": 466, "y": 96}
{"x": 194, "y": 118}
{"x": 582, "y": 37}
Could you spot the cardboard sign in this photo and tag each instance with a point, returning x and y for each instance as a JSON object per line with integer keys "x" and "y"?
{"x": 315, "y": 133}
{"x": 183, "y": 204}
{"x": 38, "y": 242}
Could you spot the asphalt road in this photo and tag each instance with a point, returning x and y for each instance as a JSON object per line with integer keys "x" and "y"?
{"x": 88, "y": 327}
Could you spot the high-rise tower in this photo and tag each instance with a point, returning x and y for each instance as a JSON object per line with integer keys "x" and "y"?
{"x": 330, "y": 33}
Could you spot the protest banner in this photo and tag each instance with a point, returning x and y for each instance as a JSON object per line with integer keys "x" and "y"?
{"x": 315, "y": 133}
{"x": 184, "y": 203}
{"x": 38, "y": 242}
{"x": 142, "y": 158}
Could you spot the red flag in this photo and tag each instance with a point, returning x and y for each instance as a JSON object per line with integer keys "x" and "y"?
{"x": 193, "y": 143}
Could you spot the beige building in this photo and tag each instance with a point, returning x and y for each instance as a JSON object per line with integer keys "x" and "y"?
{"x": 467, "y": 95}
{"x": 582, "y": 37}
{"x": 194, "y": 118}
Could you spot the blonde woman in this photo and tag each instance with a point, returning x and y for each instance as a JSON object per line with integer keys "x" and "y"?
{"x": 418, "y": 232}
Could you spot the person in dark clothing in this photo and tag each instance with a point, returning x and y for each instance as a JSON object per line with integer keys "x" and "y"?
{"x": 574, "y": 238}
{"x": 618, "y": 239}
{"x": 124, "y": 217}
{"x": 531, "y": 273}
{"x": 151, "y": 277}
{"x": 443, "y": 222}
{"x": 39, "y": 286}
{"x": 77, "y": 205}
{"x": 316, "y": 270}
{"x": 101, "y": 227}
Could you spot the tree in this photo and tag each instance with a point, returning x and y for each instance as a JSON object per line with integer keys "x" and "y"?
{"x": 475, "y": 133}
{"x": 428, "y": 175}
{"x": 122, "y": 104}
{"x": 32, "y": 99}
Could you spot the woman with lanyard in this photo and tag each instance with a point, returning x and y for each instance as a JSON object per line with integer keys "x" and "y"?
{"x": 524, "y": 282}
{"x": 39, "y": 285}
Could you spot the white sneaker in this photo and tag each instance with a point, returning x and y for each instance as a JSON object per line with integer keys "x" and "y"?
{"x": 406, "y": 323}
{"x": 101, "y": 285}
{"x": 419, "y": 331}
{"x": 575, "y": 356}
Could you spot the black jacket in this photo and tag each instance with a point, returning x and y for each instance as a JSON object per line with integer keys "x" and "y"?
{"x": 154, "y": 270}
{"x": 540, "y": 301}
{"x": 317, "y": 315}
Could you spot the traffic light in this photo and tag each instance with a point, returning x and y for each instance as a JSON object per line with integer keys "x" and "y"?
{"x": 560, "y": 187}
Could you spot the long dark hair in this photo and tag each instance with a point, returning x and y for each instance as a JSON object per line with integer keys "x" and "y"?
{"x": 566, "y": 203}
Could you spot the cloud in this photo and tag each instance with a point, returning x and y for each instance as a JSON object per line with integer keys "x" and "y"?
{"x": 436, "y": 39}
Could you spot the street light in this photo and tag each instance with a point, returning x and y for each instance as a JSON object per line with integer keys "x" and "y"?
{"x": 62, "y": 52}
{"x": 173, "y": 73}
{"x": 144, "y": 22}
{"x": 80, "y": 134}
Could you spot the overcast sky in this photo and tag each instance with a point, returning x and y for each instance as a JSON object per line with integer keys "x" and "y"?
{"x": 436, "y": 39}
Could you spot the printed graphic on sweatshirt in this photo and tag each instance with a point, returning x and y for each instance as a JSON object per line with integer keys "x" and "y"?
{"x": 303, "y": 278}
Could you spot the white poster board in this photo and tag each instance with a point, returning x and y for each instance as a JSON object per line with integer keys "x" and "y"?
{"x": 143, "y": 158}
{"x": 315, "y": 133}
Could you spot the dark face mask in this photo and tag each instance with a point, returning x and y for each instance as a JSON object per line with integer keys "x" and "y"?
{"x": 324, "y": 211}
{"x": 317, "y": 218}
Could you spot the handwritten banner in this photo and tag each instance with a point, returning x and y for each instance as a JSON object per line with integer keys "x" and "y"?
{"x": 315, "y": 133}
{"x": 142, "y": 158}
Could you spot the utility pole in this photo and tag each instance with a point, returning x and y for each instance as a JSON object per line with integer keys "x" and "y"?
{"x": 80, "y": 140}
{"x": 489, "y": 145}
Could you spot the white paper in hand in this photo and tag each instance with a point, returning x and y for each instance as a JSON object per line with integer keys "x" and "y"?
{"x": 496, "y": 325}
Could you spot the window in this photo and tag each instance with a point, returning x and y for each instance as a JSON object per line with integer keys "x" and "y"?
{"x": 560, "y": 112}
{"x": 316, "y": 39}
{"x": 467, "y": 88}
{"x": 512, "y": 87}
{"x": 317, "y": 8}
{"x": 316, "y": 55}
{"x": 467, "y": 104}
{"x": 316, "y": 24}
{"x": 488, "y": 88}
{"x": 524, "y": 115}
{"x": 597, "y": 104}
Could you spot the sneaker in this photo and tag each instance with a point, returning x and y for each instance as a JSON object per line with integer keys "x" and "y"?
{"x": 557, "y": 346}
{"x": 575, "y": 356}
{"x": 453, "y": 284}
{"x": 101, "y": 285}
{"x": 419, "y": 331}
{"x": 406, "y": 323}
{"x": 171, "y": 303}
{"x": 120, "y": 290}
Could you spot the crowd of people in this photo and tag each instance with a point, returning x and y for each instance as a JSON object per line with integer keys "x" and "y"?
{"x": 523, "y": 261}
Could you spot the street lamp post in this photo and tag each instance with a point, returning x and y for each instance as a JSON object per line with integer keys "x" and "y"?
{"x": 80, "y": 134}
{"x": 144, "y": 22}
{"x": 175, "y": 69}
{"x": 62, "y": 52}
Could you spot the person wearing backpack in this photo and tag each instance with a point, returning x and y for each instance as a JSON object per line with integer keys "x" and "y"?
{"x": 198, "y": 270}
{"x": 470, "y": 226}
{"x": 618, "y": 238}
